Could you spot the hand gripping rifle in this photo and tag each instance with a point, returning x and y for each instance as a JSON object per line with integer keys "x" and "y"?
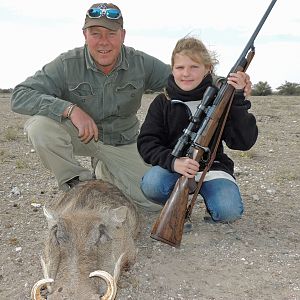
{"x": 207, "y": 122}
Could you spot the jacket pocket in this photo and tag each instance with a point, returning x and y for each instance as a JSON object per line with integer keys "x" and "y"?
{"x": 85, "y": 96}
{"x": 128, "y": 97}
{"x": 81, "y": 91}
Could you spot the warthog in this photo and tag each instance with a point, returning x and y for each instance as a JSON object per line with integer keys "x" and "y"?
{"x": 92, "y": 231}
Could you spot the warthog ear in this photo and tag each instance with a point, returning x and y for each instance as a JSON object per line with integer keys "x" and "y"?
{"x": 119, "y": 215}
{"x": 51, "y": 217}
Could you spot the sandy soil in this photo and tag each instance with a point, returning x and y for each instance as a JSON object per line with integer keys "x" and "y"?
{"x": 257, "y": 257}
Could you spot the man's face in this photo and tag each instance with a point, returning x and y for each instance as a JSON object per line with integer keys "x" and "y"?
{"x": 104, "y": 46}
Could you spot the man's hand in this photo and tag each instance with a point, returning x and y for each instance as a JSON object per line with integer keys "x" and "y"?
{"x": 239, "y": 81}
{"x": 87, "y": 128}
{"x": 186, "y": 166}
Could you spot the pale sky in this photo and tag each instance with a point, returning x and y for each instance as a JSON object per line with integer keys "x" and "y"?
{"x": 35, "y": 32}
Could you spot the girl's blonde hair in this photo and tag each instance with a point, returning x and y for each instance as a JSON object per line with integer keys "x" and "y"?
{"x": 195, "y": 50}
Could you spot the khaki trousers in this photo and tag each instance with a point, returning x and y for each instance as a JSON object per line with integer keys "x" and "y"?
{"x": 57, "y": 144}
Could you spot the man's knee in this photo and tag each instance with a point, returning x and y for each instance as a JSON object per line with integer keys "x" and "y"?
{"x": 39, "y": 126}
{"x": 42, "y": 131}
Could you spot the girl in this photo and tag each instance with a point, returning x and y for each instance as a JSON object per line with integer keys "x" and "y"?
{"x": 192, "y": 68}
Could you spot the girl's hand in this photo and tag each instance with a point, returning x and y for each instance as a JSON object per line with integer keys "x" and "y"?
{"x": 186, "y": 166}
{"x": 240, "y": 81}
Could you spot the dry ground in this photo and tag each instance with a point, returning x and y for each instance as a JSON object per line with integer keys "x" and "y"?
{"x": 257, "y": 257}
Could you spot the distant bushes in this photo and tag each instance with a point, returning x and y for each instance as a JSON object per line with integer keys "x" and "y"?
{"x": 6, "y": 91}
{"x": 262, "y": 88}
{"x": 289, "y": 88}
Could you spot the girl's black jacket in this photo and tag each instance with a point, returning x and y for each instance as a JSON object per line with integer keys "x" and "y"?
{"x": 165, "y": 122}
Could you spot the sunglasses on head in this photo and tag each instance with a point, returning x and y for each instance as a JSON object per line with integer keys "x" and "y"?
{"x": 109, "y": 13}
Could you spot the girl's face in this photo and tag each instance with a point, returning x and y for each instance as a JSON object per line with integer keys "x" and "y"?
{"x": 187, "y": 73}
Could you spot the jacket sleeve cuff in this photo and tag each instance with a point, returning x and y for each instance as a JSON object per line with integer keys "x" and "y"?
{"x": 239, "y": 98}
{"x": 57, "y": 108}
{"x": 172, "y": 164}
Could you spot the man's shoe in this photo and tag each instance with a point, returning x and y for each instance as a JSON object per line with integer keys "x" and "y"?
{"x": 72, "y": 182}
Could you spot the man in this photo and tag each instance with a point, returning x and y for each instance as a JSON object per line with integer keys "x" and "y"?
{"x": 84, "y": 103}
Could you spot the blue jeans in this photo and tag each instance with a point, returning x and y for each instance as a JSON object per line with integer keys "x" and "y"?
{"x": 221, "y": 196}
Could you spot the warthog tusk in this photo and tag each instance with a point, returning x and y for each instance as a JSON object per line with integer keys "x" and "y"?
{"x": 111, "y": 284}
{"x": 119, "y": 264}
{"x": 36, "y": 289}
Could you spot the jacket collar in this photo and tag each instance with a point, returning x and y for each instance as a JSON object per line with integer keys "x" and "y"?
{"x": 173, "y": 91}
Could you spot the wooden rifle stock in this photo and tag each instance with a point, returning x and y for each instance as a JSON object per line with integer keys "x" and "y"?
{"x": 168, "y": 228}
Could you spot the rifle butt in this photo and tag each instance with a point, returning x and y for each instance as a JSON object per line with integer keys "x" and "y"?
{"x": 168, "y": 227}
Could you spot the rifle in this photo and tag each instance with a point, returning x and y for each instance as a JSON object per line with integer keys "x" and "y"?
{"x": 209, "y": 120}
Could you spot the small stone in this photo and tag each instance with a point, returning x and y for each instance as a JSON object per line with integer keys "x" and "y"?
{"x": 15, "y": 191}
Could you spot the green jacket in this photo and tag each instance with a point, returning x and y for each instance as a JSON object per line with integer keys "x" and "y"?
{"x": 111, "y": 100}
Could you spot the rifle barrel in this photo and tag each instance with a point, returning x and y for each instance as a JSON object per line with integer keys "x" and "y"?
{"x": 253, "y": 37}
